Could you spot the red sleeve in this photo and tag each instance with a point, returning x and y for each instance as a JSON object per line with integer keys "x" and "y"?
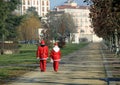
{"x": 51, "y": 53}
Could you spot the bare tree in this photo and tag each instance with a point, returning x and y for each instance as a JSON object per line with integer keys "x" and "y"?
{"x": 66, "y": 25}
{"x": 60, "y": 25}
{"x": 27, "y": 30}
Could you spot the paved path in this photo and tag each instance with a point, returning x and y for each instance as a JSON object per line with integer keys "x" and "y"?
{"x": 84, "y": 67}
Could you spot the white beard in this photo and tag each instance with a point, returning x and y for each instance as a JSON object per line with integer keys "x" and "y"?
{"x": 56, "y": 48}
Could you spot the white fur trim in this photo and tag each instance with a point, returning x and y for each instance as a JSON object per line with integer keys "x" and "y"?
{"x": 56, "y": 48}
{"x": 57, "y": 60}
{"x": 43, "y": 58}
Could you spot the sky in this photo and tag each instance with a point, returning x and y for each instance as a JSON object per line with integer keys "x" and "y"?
{"x": 54, "y": 3}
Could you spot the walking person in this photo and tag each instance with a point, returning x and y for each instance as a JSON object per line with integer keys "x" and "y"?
{"x": 42, "y": 55}
{"x": 55, "y": 55}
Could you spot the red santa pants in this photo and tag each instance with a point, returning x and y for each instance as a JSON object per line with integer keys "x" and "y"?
{"x": 43, "y": 65}
{"x": 56, "y": 65}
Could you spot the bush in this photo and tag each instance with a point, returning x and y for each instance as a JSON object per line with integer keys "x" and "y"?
{"x": 61, "y": 44}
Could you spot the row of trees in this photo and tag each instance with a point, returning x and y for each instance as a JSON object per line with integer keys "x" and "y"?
{"x": 25, "y": 27}
{"x": 105, "y": 15}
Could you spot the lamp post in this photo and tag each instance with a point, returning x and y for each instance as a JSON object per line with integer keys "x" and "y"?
{"x": 2, "y": 47}
{"x": 116, "y": 41}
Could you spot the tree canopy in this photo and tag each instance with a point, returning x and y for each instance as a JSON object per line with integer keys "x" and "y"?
{"x": 105, "y": 16}
{"x": 28, "y": 28}
{"x": 60, "y": 25}
{"x": 8, "y": 21}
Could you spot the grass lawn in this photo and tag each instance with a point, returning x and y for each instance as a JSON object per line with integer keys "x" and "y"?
{"x": 14, "y": 65}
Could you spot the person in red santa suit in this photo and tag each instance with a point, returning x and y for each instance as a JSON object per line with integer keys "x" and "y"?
{"x": 55, "y": 55}
{"x": 42, "y": 54}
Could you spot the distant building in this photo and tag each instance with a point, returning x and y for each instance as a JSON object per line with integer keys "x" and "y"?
{"x": 81, "y": 18}
{"x": 42, "y": 6}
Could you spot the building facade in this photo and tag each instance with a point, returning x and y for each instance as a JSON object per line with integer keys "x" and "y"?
{"x": 81, "y": 18}
{"x": 41, "y": 6}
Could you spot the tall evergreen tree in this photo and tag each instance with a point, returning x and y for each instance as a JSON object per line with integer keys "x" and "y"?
{"x": 7, "y": 19}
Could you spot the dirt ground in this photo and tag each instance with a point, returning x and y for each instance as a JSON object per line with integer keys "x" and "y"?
{"x": 83, "y": 67}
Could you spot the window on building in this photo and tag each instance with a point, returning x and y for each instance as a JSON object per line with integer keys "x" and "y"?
{"x": 23, "y": 2}
{"x": 82, "y": 31}
{"x": 43, "y": 9}
{"x": 28, "y": 2}
{"x": 37, "y": 3}
{"x": 23, "y": 8}
{"x": 42, "y": 14}
{"x": 47, "y": 3}
{"x": 43, "y": 3}
{"x": 47, "y": 9}
{"x": 33, "y": 2}
{"x": 84, "y": 15}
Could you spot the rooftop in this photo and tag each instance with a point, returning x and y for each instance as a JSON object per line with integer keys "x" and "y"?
{"x": 72, "y": 7}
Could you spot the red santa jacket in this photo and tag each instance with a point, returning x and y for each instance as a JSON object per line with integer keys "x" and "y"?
{"x": 42, "y": 52}
{"x": 55, "y": 54}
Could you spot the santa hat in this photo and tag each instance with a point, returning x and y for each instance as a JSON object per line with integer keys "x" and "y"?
{"x": 42, "y": 42}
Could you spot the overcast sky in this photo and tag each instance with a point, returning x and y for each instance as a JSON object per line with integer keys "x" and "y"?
{"x": 60, "y": 2}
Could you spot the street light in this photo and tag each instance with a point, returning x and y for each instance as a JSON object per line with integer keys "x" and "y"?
{"x": 116, "y": 41}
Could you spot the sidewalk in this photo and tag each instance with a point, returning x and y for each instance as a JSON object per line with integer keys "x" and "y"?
{"x": 112, "y": 66}
{"x": 84, "y": 67}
